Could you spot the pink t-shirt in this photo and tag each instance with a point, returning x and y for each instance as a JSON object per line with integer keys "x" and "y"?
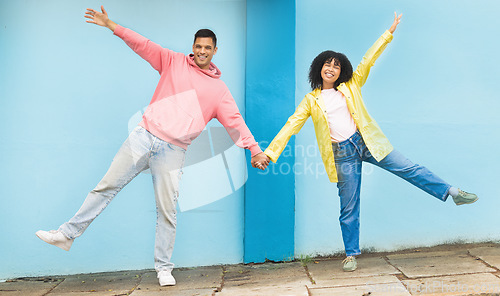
{"x": 186, "y": 97}
{"x": 340, "y": 121}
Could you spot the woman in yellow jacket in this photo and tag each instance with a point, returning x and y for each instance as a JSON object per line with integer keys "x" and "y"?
{"x": 347, "y": 136}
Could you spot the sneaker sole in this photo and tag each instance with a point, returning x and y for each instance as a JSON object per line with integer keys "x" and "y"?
{"x": 40, "y": 236}
{"x": 170, "y": 282}
{"x": 467, "y": 203}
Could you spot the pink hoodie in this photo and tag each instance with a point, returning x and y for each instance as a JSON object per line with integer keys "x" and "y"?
{"x": 187, "y": 97}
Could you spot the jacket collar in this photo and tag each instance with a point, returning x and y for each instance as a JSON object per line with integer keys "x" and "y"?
{"x": 318, "y": 98}
{"x": 343, "y": 89}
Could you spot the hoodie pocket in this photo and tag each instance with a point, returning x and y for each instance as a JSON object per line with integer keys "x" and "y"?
{"x": 176, "y": 115}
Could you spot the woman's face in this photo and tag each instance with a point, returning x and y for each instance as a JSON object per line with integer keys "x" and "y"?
{"x": 330, "y": 73}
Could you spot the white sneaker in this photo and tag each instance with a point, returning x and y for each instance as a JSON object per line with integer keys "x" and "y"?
{"x": 166, "y": 279}
{"x": 56, "y": 238}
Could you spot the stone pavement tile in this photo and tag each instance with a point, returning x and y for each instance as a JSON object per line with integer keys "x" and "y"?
{"x": 288, "y": 289}
{"x": 464, "y": 284}
{"x": 388, "y": 289}
{"x": 490, "y": 255}
{"x": 265, "y": 279}
{"x": 28, "y": 287}
{"x": 112, "y": 283}
{"x": 419, "y": 254}
{"x": 355, "y": 281}
{"x": 328, "y": 272}
{"x": 431, "y": 265}
{"x": 189, "y": 281}
{"x": 172, "y": 291}
{"x": 100, "y": 293}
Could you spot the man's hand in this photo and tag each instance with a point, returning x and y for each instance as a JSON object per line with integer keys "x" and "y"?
{"x": 260, "y": 161}
{"x": 395, "y": 24}
{"x": 100, "y": 18}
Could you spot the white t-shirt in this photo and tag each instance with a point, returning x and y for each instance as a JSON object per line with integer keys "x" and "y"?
{"x": 340, "y": 121}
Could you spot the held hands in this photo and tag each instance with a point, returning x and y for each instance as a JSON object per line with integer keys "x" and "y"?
{"x": 397, "y": 19}
{"x": 100, "y": 18}
{"x": 260, "y": 161}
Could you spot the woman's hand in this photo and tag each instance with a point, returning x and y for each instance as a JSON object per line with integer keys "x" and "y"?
{"x": 395, "y": 24}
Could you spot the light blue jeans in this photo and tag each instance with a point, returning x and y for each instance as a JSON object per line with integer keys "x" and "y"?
{"x": 139, "y": 152}
{"x": 349, "y": 157}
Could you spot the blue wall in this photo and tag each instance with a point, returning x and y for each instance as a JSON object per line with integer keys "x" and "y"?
{"x": 68, "y": 90}
{"x": 434, "y": 93}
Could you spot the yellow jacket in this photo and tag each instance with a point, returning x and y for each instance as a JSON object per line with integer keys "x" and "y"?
{"x": 314, "y": 106}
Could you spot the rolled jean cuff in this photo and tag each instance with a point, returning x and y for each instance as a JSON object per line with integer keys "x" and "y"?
{"x": 64, "y": 233}
{"x": 446, "y": 194}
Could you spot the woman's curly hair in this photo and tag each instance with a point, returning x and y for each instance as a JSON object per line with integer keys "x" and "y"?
{"x": 327, "y": 56}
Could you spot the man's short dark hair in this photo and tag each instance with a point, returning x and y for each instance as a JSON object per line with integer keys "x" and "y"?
{"x": 328, "y": 56}
{"x": 206, "y": 33}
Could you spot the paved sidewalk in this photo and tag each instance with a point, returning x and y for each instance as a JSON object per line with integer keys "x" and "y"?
{"x": 472, "y": 269}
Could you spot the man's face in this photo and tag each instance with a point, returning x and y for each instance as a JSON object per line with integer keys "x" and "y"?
{"x": 204, "y": 50}
{"x": 330, "y": 73}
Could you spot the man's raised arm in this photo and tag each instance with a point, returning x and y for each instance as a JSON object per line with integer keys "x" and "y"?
{"x": 153, "y": 53}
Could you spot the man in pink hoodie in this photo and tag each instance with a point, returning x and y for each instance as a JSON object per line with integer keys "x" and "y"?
{"x": 189, "y": 95}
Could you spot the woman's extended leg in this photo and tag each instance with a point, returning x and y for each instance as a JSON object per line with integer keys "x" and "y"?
{"x": 416, "y": 174}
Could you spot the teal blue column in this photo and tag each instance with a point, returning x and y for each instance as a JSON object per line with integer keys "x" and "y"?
{"x": 270, "y": 100}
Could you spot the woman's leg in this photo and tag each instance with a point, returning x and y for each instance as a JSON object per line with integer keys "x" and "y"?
{"x": 416, "y": 174}
{"x": 348, "y": 164}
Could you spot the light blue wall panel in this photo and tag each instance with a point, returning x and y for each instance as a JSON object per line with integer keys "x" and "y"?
{"x": 434, "y": 93}
{"x": 68, "y": 91}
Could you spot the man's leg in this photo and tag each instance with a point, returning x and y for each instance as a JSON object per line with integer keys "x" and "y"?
{"x": 166, "y": 169}
{"x": 131, "y": 159}
{"x": 416, "y": 174}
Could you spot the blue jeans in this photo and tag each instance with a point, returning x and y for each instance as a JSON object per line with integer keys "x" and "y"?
{"x": 349, "y": 157}
{"x": 139, "y": 152}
